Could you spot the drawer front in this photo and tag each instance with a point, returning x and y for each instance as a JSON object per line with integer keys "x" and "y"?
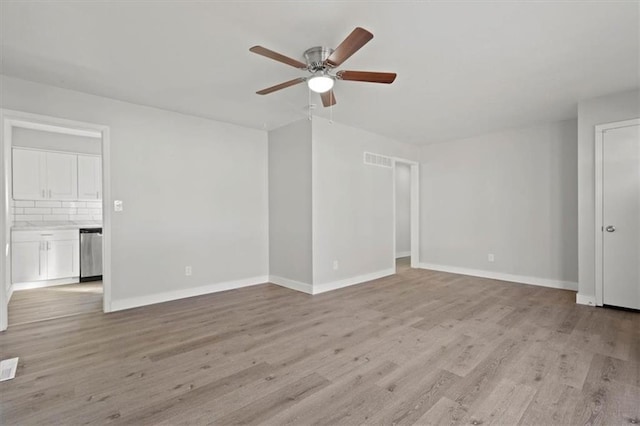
{"x": 57, "y": 235}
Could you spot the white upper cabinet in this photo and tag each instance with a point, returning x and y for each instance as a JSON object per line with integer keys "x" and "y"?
{"x": 44, "y": 175}
{"x": 62, "y": 176}
{"x": 89, "y": 177}
{"x": 29, "y": 175}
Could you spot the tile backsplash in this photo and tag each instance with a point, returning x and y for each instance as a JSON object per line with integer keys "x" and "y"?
{"x": 39, "y": 211}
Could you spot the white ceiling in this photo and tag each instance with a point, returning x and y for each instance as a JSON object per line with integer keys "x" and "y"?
{"x": 464, "y": 68}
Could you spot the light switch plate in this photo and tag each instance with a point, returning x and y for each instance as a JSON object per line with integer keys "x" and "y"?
{"x": 117, "y": 205}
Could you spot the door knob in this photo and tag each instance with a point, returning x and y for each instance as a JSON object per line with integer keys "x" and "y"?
{"x": 610, "y": 228}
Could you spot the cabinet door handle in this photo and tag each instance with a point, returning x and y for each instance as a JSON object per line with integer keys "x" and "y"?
{"x": 49, "y": 193}
{"x": 43, "y": 196}
{"x": 48, "y": 245}
{"x": 97, "y": 194}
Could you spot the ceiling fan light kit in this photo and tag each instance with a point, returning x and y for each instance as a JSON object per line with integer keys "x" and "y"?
{"x": 321, "y": 83}
{"x": 321, "y": 60}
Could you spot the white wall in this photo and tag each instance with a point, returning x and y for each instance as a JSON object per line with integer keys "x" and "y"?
{"x": 512, "y": 194}
{"x": 601, "y": 110}
{"x": 51, "y": 141}
{"x": 403, "y": 209}
{"x": 352, "y": 204}
{"x": 194, "y": 192}
{"x": 290, "y": 202}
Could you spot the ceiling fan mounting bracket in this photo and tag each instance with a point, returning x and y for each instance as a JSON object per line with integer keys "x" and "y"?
{"x": 316, "y": 58}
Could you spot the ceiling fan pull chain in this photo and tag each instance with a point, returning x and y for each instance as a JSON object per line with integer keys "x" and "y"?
{"x": 331, "y": 110}
{"x": 309, "y": 105}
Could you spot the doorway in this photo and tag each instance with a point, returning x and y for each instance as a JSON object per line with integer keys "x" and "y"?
{"x": 406, "y": 215}
{"x": 618, "y": 214}
{"x": 55, "y": 185}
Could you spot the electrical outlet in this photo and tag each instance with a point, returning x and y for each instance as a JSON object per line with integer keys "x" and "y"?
{"x": 491, "y": 257}
{"x": 335, "y": 265}
{"x": 117, "y": 205}
{"x": 188, "y": 271}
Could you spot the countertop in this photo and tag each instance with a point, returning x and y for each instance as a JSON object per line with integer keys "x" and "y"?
{"x": 61, "y": 225}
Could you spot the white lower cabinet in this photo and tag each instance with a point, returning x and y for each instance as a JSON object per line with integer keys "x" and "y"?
{"x": 28, "y": 262}
{"x": 44, "y": 255}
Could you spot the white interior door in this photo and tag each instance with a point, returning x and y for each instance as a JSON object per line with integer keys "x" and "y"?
{"x": 621, "y": 217}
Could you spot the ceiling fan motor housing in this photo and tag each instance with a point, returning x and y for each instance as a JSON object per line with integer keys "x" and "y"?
{"x": 316, "y": 57}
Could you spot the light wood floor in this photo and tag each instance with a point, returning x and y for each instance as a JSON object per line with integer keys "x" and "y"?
{"x": 421, "y": 347}
{"x": 54, "y": 302}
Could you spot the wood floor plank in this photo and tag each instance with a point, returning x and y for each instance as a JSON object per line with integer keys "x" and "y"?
{"x": 554, "y": 403}
{"x": 419, "y": 347}
{"x": 54, "y": 302}
{"x": 413, "y": 397}
{"x": 505, "y": 405}
{"x": 267, "y": 406}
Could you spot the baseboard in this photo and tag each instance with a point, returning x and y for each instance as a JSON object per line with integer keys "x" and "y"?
{"x": 135, "y": 302}
{"x": 334, "y": 285}
{"x": 403, "y": 254}
{"x": 291, "y": 284}
{"x": 42, "y": 284}
{"x": 522, "y": 279}
{"x": 582, "y": 299}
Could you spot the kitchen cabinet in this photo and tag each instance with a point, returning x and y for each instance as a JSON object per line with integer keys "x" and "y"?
{"x": 62, "y": 176}
{"x": 29, "y": 175}
{"x": 44, "y": 255}
{"x": 89, "y": 177}
{"x": 62, "y": 259}
{"x": 27, "y": 263}
{"x": 43, "y": 175}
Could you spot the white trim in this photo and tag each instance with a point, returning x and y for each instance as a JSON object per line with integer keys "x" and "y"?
{"x": 521, "y": 279}
{"x": 11, "y": 118}
{"x": 599, "y": 202}
{"x": 403, "y": 254}
{"x": 32, "y": 122}
{"x": 10, "y": 291}
{"x": 106, "y": 219}
{"x": 582, "y": 299}
{"x": 415, "y": 212}
{"x": 5, "y": 219}
{"x": 291, "y": 284}
{"x": 415, "y": 215}
{"x": 334, "y": 285}
{"x": 29, "y": 148}
{"x": 135, "y": 302}
{"x": 29, "y": 285}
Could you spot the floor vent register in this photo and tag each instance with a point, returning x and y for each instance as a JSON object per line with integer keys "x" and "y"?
{"x": 8, "y": 369}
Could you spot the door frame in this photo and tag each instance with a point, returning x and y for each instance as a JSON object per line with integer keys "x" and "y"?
{"x": 11, "y": 119}
{"x": 415, "y": 211}
{"x": 600, "y": 131}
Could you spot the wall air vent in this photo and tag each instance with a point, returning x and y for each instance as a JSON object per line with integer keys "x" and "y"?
{"x": 377, "y": 160}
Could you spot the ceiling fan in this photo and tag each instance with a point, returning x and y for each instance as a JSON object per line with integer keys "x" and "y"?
{"x": 321, "y": 61}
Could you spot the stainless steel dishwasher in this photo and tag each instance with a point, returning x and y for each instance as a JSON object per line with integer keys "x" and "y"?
{"x": 90, "y": 254}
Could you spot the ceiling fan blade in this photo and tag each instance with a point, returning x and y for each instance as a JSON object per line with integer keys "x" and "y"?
{"x": 367, "y": 76}
{"x": 281, "y": 86}
{"x": 328, "y": 98}
{"x": 278, "y": 57}
{"x": 354, "y": 41}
